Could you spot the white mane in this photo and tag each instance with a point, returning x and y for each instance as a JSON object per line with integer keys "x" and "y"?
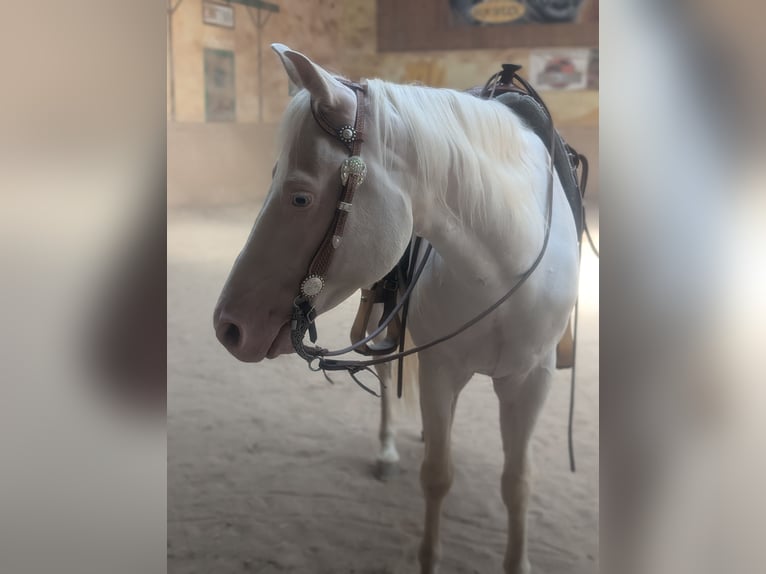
{"x": 481, "y": 144}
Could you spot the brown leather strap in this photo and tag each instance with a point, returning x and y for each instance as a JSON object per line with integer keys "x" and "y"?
{"x": 338, "y": 131}
{"x": 352, "y": 137}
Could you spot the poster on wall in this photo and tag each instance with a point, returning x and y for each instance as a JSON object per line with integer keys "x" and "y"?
{"x": 559, "y": 69}
{"x": 405, "y": 26}
{"x": 504, "y": 12}
{"x": 220, "y": 93}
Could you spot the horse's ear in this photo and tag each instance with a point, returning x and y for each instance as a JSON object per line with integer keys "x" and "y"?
{"x": 306, "y": 74}
{"x": 292, "y": 73}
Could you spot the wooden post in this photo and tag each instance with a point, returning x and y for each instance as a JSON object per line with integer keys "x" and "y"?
{"x": 171, "y": 63}
{"x": 259, "y": 22}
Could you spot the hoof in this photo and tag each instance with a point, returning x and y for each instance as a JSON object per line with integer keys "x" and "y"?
{"x": 523, "y": 568}
{"x": 383, "y": 470}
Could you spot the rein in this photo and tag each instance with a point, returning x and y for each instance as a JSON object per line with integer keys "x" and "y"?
{"x": 353, "y": 171}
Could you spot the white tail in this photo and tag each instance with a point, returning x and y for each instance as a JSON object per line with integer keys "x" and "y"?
{"x": 410, "y": 387}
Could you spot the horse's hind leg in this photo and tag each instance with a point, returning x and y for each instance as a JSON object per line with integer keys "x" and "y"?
{"x": 520, "y": 403}
{"x": 387, "y": 462}
{"x": 439, "y": 388}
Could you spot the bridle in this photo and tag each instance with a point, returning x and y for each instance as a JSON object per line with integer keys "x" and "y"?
{"x": 353, "y": 172}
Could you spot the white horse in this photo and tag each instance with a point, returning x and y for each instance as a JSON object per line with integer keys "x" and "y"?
{"x": 470, "y": 178}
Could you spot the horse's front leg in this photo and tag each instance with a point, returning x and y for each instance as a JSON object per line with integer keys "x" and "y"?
{"x": 520, "y": 402}
{"x": 439, "y": 389}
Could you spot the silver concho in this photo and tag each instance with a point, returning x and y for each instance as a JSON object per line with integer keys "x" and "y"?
{"x": 347, "y": 134}
{"x": 336, "y": 239}
{"x": 312, "y": 286}
{"x": 353, "y": 165}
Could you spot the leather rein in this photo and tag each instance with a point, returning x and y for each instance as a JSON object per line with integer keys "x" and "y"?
{"x": 353, "y": 172}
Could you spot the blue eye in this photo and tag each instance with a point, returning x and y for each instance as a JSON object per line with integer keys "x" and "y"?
{"x": 301, "y": 200}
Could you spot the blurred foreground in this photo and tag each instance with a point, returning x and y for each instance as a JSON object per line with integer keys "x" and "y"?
{"x": 684, "y": 228}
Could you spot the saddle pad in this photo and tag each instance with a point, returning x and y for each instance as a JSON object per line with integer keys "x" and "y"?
{"x": 535, "y": 117}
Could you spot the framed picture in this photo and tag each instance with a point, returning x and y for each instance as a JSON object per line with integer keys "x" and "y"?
{"x": 218, "y": 14}
{"x": 405, "y": 26}
{"x": 559, "y": 69}
{"x": 220, "y": 92}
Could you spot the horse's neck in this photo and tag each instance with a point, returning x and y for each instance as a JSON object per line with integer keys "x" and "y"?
{"x": 471, "y": 252}
{"x": 488, "y": 251}
{"x": 474, "y": 174}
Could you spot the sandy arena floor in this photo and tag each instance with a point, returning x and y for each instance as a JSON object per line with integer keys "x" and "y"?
{"x": 270, "y": 467}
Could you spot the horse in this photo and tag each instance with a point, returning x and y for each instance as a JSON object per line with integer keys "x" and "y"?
{"x": 469, "y": 177}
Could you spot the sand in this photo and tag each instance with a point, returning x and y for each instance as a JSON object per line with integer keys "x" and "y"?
{"x": 270, "y": 467}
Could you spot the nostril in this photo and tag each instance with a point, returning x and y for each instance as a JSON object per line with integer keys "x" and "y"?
{"x": 231, "y": 336}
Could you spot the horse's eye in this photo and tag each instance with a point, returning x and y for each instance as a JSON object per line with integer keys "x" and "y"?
{"x": 301, "y": 200}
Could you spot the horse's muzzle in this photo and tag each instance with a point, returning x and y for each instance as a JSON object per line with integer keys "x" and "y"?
{"x": 251, "y": 341}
